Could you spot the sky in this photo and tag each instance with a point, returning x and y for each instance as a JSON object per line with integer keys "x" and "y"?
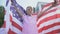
{"x": 33, "y": 3}
{"x": 25, "y": 3}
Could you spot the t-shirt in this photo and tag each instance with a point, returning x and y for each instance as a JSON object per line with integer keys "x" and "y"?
{"x": 29, "y": 24}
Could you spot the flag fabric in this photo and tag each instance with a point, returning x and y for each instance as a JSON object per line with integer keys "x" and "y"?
{"x": 5, "y": 27}
{"x": 15, "y": 19}
{"x": 12, "y": 21}
{"x": 49, "y": 22}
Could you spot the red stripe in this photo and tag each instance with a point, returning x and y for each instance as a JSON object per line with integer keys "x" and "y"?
{"x": 15, "y": 24}
{"x": 11, "y": 32}
{"x": 50, "y": 11}
{"x": 54, "y": 32}
{"x": 10, "y": 17}
{"x": 47, "y": 5}
{"x": 58, "y": 16}
{"x": 49, "y": 26}
{"x": 47, "y": 19}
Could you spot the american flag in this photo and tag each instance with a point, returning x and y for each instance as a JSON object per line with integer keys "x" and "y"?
{"x": 49, "y": 22}
{"x": 15, "y": 20}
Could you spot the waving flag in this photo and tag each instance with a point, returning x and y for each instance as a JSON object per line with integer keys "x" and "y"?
{"x": 49, "y": 22}
{"x": 15, "y": 19}
{"x": 13, "y": 22}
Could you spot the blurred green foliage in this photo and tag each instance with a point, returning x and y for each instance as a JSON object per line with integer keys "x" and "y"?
{"x": 1, "y": 15}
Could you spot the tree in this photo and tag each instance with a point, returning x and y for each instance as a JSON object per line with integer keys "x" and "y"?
{"x": 1, "y": 16}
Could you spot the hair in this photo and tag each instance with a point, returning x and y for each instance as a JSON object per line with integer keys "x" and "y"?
{"x": 27, "y": 9}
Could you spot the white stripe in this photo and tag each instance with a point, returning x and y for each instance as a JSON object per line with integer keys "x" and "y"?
{"x": 51, "y": 9}
{"x": 49, "y": 22}
{"x": 58, "y": 6}
{"x": 49, "y": 14}
{"x": 50, "y": 29}
{"x": 14, "y": 29}
{"x": 17, "y": 21}
{"x": 7, "y": 19}
{"x": 45, "y": 16}
{"x": 58, "y": 11}
{"x": 46, "y": 8}
{"x": 11, "y": 13}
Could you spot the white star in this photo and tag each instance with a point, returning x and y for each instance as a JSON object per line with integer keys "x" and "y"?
{"x": 14, "y": 14}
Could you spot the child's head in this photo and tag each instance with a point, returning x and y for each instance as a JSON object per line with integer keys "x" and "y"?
{"x": 29, "y": 10}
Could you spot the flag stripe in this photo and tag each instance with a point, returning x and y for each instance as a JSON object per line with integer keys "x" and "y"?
{"x": 49, "y": 22}
{"x": 58, "y": 16}
{"x": 47, "y": 14}
{"x": 11, "y": 32}
{"x": 47, "y": 5}
{"x": 54, "y": 32}
{"x": 14, "y": 29}
{"x": 51, "y": 29}
{"x": 17, "y": 21}
{"x": 49, "y": 26}
{"x": 47, "y": 19}
{"x": 15, "y": 24}
{"x": 50, "y": 11}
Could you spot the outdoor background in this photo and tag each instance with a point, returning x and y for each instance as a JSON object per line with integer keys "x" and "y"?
{"x": 25, "y": 3}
